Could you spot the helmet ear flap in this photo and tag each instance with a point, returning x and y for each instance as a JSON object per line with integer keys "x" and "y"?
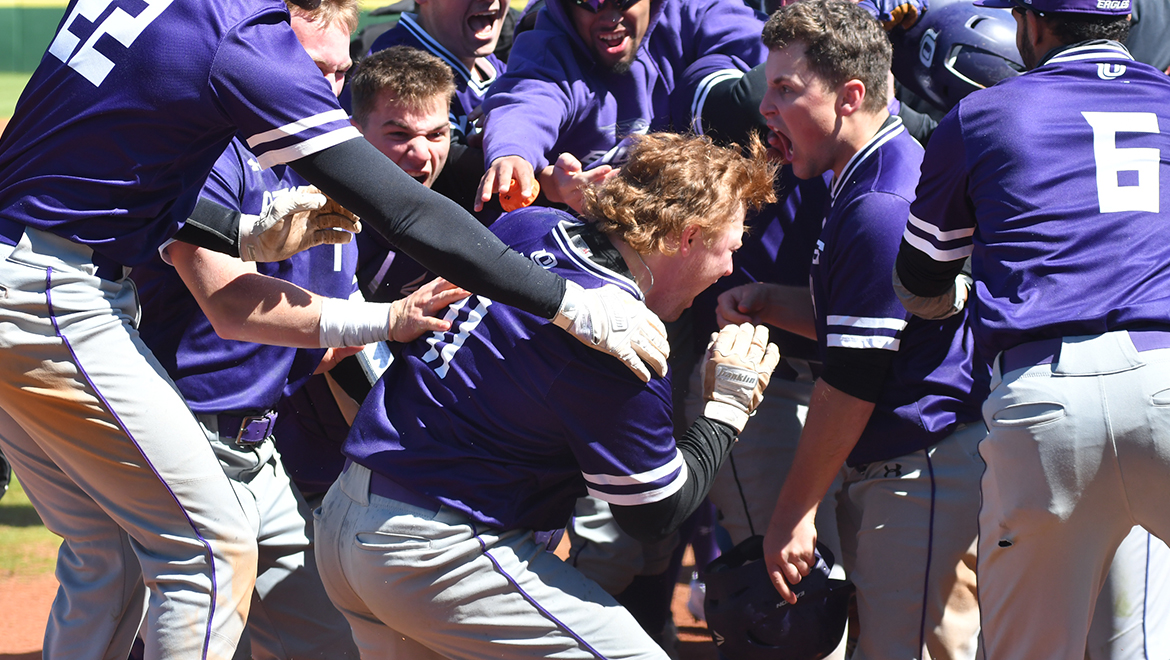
{"x": 750, "y": 621}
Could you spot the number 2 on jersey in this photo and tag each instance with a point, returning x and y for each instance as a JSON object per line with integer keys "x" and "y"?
{"x": 121, "y": 26}
{"x": 1113, "y": 161}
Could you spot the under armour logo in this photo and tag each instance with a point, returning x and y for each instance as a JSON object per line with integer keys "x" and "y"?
{"x": 894, "y": 471}
{"x": 118, "y": 24}
{"x": 1109, "y": 71}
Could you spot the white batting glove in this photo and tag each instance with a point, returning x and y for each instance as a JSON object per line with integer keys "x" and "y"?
{"x": 295, "y": 220}
{"x": 739, "y": 364}
{"x": 614, "y": 322}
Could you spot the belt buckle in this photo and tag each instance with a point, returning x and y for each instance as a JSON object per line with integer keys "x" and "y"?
{"x": 269, "y": 420}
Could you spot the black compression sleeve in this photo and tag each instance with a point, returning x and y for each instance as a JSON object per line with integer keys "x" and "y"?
{"x": 704, "y": 448}
{"x": 213, "y": 227}
{"x": 924, "y": 276}
{"x": 430, "y": 228}
{"x": 858, "y": 372}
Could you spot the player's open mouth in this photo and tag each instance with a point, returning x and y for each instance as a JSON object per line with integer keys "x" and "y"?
{"x": 483, "y": 23}
{"x": 781, "y": 143}
{"x": 421, "y": 178}
{"x": 613, "y": 43}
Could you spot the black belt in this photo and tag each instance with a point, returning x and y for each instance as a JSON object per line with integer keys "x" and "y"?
{"x": 1046, "y": 351}
{"x": 384, "y": 486}
{"x": 248, "y": 430}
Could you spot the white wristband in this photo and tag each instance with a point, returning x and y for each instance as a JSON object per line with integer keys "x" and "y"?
{"x": 352, "y": 322}
{"x": 730, "y": 415}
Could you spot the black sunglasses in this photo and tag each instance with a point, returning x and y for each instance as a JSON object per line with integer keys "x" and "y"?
{"x": 595, "y": 6}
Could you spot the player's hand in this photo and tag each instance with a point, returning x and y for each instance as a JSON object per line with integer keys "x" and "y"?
{"x": 295, "y": 220}
{"x": 499, "y": 178}
{"x": 333, "y": 356}
{"x": 414, "y": 316}
{"x": 790, "y": 551}
{"x": 742, "y": 304}
{"x": 612, "y": 321}
{"x": 737, "y": 369}
{"x": 895, "y": 13}
{"x": 568, "y": 181}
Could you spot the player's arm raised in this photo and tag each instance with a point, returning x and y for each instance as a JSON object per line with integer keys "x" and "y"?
{"x": 448, "y": 241}
{"x": 243, "y": 305}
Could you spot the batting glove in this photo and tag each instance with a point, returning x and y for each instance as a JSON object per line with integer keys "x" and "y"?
{"x": 612, "y": 321}
{"x": 739, "y": 364}
{"x": 895, "y": 13}
{"x": 295, "y": 220}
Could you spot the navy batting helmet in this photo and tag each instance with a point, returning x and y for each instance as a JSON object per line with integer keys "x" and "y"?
{"x": 750, "y": 621}
{"x": 955, "y": 49}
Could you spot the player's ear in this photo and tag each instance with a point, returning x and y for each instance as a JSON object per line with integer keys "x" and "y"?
{"x": 850, "y": 97}
{"x": 690, "y": 236}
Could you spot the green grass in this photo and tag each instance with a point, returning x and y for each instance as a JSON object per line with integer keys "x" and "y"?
{"x": 26, "y": 547}
{"x": 11, "y": 84}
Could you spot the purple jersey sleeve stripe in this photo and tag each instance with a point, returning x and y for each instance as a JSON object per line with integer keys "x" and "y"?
{"x": 867, "y": 322}
{"x": 644, "y": 497}
{"x": 296, "y": 127}
{"x": 943, "y": 252}
{"x": 649, "y": 476}
{"x": 863, "y": 341}
{"x": 307, "y": 147}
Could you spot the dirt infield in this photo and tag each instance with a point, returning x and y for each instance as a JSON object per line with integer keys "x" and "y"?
{"x": 24, "y": 609}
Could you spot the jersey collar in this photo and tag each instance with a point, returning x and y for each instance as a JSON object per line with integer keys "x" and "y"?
{"x": 593, "y": 252}
{"x": 1096, "y": 50}
{"x": 889, "y": 130}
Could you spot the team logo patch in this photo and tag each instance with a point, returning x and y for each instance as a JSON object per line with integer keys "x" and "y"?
{"x": 544, "y": 259}
{"x": 1110, "y": 71}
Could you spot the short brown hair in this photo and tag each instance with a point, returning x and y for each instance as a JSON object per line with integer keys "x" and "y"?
{"x": 414, "y": 77}
{"x": 329, "y": 12}
{"x": 842, "y": 42}
{"x": 672, "y": 181}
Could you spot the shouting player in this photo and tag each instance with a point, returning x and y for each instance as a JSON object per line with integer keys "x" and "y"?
{"x": 898, "y": 401}
{"x": 480, "y": 437}
{"x": 102, "y": 162}
{"x": 1054, "y": 184}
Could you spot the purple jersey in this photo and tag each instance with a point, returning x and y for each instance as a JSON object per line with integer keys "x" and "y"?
{"x": 554, "y": 99}
{"x": 469, "y": 92}
{"x": 102, "y": 170}
{"x": 213, "y": 374}
{"x": 507, "y": 418}
{"x": 1057, "y": 184}
{"x": 931, "y": 385}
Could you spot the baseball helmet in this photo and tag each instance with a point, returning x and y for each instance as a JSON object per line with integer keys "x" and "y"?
{"x": 955, "y": 49}
{"x": 750, "y": 621}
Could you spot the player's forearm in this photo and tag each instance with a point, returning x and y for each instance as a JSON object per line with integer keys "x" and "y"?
{"x": 834, "y": 424}
{"x": 429, "y": 228}
{"x": 921, "y": 275}
{"x": 704, "y": 448}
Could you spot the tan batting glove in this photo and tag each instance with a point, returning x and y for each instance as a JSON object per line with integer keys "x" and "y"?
{"x": 613, "y": 321}
{"x": 295, "y": 220}
{"x": 739, "y": 364}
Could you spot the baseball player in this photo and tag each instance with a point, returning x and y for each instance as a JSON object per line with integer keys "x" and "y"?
{"x": 478, "y": 438}
{"x": 462, "y": 33}
{"x": 400, "y": 98}
{"x": 1049, "y": 182}
{"x": 102, "y": 162}
{"x": 897, "y": 403}
{"x": 593, "y": 73}
{"x": 232, "y": 353}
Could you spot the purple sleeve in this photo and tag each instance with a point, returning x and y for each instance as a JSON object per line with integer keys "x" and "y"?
{"x": 721, "y": 36}
{"x": 942, "y": 222}
{"x": 862, "y": 310}
{"x": 528, "y": 104}
{"x": 273, "y": 92}
{"x": 225, "y": 185}
{"x": 627, "y": 453}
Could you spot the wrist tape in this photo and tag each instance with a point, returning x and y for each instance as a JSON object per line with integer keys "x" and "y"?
{"x": 352, "y": 322}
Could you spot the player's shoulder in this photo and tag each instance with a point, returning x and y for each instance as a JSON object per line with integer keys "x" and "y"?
{"x": 886, "y": 166}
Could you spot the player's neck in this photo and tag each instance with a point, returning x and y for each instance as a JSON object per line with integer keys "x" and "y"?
{"x": 643, "y": 276}
{"x": 858, "y": 130}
